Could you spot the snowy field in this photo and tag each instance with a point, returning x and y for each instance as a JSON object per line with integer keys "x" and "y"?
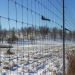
{"x": 43, "y": 58}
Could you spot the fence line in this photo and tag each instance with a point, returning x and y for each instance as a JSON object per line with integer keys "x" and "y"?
{"x": 31, "y": 32}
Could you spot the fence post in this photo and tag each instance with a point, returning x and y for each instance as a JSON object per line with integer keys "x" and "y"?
{"x": 63, "y": 37}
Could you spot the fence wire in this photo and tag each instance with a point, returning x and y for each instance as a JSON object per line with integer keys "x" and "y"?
{"x": 31, "y": 40}
{"x": 69, "y": 39}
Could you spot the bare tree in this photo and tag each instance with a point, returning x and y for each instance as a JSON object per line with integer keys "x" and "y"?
{"x": 60, "y": 33}
{"x": 23, "y": 31}
{"x": 13, "y": 32}
{"x": 4, "y": 32}
{"x": 29, "y": 30}
{"x": 43, "y": 31}
{"x": 54, "y": 32}
{"x": 13, "y": 36}
{"x": 2, "y": 35}
{"x": 0, "y": 32}
{"x": 69, "y": 36}
{"x": 32, "y": 38}
{"x": 0, "y": 27}
{"x": 19, "y": 33}
{"x": 74, "y": 35}
{"x": 50, "y": 33}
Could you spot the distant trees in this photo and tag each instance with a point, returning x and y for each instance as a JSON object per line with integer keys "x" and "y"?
{"x": 43, "y": 31}
{"x": 19, "y": 34}
{"x": 32, "y": 33}
{"x": 32, "y": 38}
{"x": 29, "y": 30}
{"x": 60, "y": 33}
{"x": 70, "y": 34}
{"x": 0, "y": 32}
{"x": 3, "y": 34}
{"x": 13, "y": 32}
{"x": 13, "y": 37}
{"x": 54, "y": 32}
{"x": 74, "y": 35}
{"x": 22, "y": 30}
{"x": 0, "y": 27}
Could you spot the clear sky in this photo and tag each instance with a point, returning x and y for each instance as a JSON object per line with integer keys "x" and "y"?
{"x": 70, "y": 5}
{"x": 54, "y": 13}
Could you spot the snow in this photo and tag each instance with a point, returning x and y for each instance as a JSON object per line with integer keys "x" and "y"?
{"x": 42, "y": 58}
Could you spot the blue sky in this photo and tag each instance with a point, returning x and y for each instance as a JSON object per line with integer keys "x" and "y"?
{"x": 55, "y": 15}
{"x": 70, "y": 13}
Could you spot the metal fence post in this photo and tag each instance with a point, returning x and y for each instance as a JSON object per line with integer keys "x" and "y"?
{"x": 63, "y": 37}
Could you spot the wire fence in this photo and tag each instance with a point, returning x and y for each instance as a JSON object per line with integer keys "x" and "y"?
{"x": 31, "y": 38}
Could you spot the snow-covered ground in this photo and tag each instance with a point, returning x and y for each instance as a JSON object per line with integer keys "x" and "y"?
{"x": 42, "y": 58}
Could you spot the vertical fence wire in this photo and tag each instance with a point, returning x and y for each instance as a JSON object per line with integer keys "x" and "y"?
{"x": 9, "y": 33}
{"x": 0, "y": 48}
{"x": 63, "y": 38}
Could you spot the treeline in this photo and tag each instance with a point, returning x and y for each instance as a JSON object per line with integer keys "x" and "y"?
{"x": 33, "y": 33}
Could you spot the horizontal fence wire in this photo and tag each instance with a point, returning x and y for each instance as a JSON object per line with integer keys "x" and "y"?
{"x": 35, "y": 12}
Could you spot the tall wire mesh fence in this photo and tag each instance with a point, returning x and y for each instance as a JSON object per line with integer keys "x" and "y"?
{"x": 69, "y": 39}
{"x": 31, "y": 37}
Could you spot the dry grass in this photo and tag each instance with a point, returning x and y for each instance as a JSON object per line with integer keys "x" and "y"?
{"x": 55, "y": 56}
{"x": 45, "y": 51}
{"x": 6, "y": 46}
{"x": 55, "y": 51}
{"x": 48, "y": 68}
{"x": 54, "y": 72}
{"x": 6, "y": 67}
{"x": 42, "y": 61}
{"x": 42, "y": 56}
{"x": 46, "y": 55}
{"x": 35, "y": 57}
{"x": 25, "y": 61}
{"x": 5, "y": 62}
{"x": 9, "y": 52}
{"x": 69, "y": 47}
{"x": 13, "y": 64}
{"x": 26, "y": 56}
{"x": 24, "y": 67}
{"x": 71, "y": 63}
{"x": 66, "y": 51}
{"x": 73, "y": 51}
